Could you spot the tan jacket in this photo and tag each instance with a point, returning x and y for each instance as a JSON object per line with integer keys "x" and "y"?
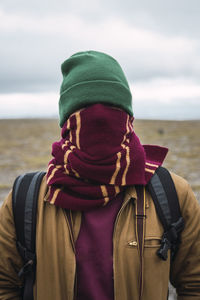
{"x": 56, "y": 265}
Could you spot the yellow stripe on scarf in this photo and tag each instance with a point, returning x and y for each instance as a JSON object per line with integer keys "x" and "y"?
{"x": 78, "y": 128}
{"x": 117, "y": 189}
{"x": 70, "y": 132}
{"x": 127, "y": 153}
{"x": 150, "y": 171}
{"x": 57, "y": 191}
{"x": 67, "y": 154}
{"x": 127, "y": 164}
{"x": 66, "y": 157}
{"x": 65, "y": 144}
{"x": 105, "y": 194}
{"x": 76, "y": 173}
{"x": 151, "y": 165}
{"x": 117, "y": 168}
{"x": 53, "y": 172}
{"x": 51, "y": 165}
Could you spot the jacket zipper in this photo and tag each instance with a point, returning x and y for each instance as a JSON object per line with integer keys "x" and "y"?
{"x": 115, "y": 225}
{"x": 73, "y": 242}
{"x": 118, "y": 215}
{"x": 70, "y": 230}
{"x": 74, "y": 249}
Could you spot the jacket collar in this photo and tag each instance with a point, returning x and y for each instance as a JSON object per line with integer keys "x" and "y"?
{"x": 130, "y": 194}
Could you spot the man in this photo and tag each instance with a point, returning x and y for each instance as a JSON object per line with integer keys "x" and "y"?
{"x": 87, "y": 240}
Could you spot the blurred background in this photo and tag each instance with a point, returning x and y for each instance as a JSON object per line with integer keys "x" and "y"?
{"x": 157, "y": 44}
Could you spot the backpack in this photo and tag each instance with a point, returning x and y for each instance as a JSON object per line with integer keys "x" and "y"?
{"x": 24, "y": 202}
{"x": 25, "y": 194}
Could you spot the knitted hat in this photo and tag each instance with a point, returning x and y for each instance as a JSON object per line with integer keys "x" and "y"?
{"x": 89, "y": 78}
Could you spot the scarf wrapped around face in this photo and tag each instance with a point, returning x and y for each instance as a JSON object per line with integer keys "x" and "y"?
{"x": 97, "y": 156}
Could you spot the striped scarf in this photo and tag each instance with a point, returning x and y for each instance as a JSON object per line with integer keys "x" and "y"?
{"x": 97, "y": 157}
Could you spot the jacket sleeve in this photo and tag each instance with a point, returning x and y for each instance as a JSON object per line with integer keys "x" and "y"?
{"x": 10, "y": 260}
{"x": 185, "y": 269}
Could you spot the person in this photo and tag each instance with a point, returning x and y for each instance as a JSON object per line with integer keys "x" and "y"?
{"x": 86, "y": 237}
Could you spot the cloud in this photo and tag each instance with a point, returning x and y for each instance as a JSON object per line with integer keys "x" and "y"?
{"x": 168, "y": 17}
{"x": 35, "y": 46}
{"x": 25, "y": 105}
{"x": 166, "y": 90}
{"x": 159, "y": 98}
{"x": 166, "y": 98}
{"x": 157, "y": 44}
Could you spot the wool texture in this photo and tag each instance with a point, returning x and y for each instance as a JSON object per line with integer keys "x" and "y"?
{"x": 97, "y": 157}
{"x": 89, "y": 78}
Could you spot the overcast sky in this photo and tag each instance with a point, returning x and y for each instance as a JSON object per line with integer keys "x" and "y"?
{"x": 156, "y": 42}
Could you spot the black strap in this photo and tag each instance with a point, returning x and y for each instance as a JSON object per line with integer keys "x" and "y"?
{"x": 164, "y": 195}
{"x": 171, "y": 193}
{"x": 24, "y": 199}
{"x": 140, "y": 229}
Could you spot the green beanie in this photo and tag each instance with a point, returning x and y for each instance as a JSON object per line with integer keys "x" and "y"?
{"x": 89, "y": 78}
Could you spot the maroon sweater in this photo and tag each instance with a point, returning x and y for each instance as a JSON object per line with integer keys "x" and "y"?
{"x": 94, "y": 252}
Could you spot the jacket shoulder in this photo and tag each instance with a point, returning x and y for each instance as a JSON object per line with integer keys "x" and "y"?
{"x": 184, "y": 190}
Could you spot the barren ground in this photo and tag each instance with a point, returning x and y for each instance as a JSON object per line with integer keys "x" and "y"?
{"x": 25, "y": 145}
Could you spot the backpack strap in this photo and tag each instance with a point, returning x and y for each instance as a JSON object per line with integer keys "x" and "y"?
{"x": 140, "y": 230}
{"x": 164, "y": 195}
{"x": 24, "y": 201}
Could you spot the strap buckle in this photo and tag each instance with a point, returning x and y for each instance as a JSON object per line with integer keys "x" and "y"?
{"x": 140, "y": 216}
{"x": 170, "y": 239}
{"x": 28, "y": 257}
{"x": 26, "y": 268}
{"x": 165, "y": 246}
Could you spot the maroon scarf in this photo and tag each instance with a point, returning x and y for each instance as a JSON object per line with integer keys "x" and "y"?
{"x": 98, "y": 155}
